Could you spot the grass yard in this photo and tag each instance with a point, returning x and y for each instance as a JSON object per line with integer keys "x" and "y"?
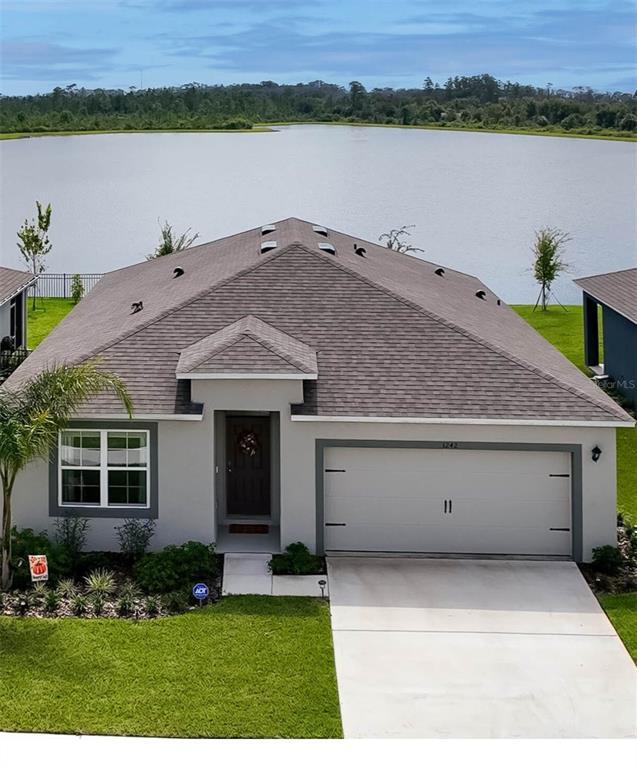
{"x": 245, "y": 667}
{"x": 565, "y": 331}
{"x": 622, "y": 611}
{"x": 45, "y": 317}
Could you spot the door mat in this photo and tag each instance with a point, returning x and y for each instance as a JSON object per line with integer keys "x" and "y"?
{"x": 248, "y": 528}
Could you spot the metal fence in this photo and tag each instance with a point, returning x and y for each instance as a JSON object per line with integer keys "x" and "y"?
{"x": 57, "y": 285}
{"x": 10, "y": 360}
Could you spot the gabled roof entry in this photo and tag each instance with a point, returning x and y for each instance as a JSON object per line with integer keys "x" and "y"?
{"x": 617, "y": 290}
{"x": 248, "y": 349}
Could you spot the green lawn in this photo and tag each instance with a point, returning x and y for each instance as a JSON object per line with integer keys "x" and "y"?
{"x": 565, "y": 331}
{"x": 42, "y": 320}
{"x": 246, "y": 667}
{"x": 622, "y": 611}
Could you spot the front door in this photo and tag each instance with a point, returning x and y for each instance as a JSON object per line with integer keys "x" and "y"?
{"x": 248, "y": 466}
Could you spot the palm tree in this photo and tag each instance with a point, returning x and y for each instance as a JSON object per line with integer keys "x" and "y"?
{"x": 547, "y": 249}
{"x": 30, "y": 419}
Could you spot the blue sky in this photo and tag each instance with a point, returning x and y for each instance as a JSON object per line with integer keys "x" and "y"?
{"x": 119, "y": 43}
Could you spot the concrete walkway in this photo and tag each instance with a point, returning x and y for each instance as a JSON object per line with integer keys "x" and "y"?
{"x": 247, "y": 573}
{"x": 466, "y": 648}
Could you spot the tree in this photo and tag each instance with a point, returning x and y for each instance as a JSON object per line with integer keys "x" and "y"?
{"x": 548, "y": 264}
{"x": 171, "y": 243}
{"x": 34, "y": 244}
{"x": 30, "y": 419}
{"x": 395, "y": 240}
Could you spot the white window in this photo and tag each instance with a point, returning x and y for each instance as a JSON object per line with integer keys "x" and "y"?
{"x": 104, "y": 468}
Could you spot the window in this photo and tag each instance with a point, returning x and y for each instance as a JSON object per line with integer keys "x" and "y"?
{"x": 104, "y": 468}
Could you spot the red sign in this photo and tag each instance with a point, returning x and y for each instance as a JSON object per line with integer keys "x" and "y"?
{"x": 39, "y": 568}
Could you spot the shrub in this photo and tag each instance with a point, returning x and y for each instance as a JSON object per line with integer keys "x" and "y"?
{"x": 100, "y": 582}
{"x": 134, "y": 537}
{"x": 52, "y": 602}
{"x": 39, "y": 592}
{"x": 176, "y": 567}
{"x": 97, "y": 604}
{"x": 27, "y": 542}
{"x": 608, "y": 560}
{"x": 67, "y": 588}
{"x": 71, "y": 533}
{"x": 151, "y": 606}
{"x": 125, "y": 606}
{"x": 175, "y": 602}
{"x": 79, "y": 604}
{"x": 77, "y": 288}
{"x": 130, "y": 591}
{"x": 297, "y": 559}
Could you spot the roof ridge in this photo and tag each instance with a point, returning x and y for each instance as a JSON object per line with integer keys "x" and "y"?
{"x": 605, "y": 274}
{"x": 469, "y": 334}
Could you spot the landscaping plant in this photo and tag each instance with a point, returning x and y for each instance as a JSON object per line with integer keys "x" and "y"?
{"x": 100, "y": 582}
{"x": 177, "y": 567}
{"x": 30, "y": 420}
{"x": 296, "y": 560}
{"x": 71, "y": 534}
{"x": 77, "y": 288}
{"x": 134, "y": 537}
{"x": 548, "y": 264}
{"x": 608, "y": 560}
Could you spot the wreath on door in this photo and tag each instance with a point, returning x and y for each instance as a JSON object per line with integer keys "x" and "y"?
{"x": 248, "y": 443}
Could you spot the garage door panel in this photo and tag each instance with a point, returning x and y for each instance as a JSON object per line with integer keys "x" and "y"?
{"x": 443, "y": 538}
{"x": 503, "y": 502}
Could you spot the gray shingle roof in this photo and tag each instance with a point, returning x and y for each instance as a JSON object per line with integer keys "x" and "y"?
{"x": 392, "y": 337}
{"x": 12, "y": 281}
{"x": 248, "y": 346}
{"x": 617, "y": 290}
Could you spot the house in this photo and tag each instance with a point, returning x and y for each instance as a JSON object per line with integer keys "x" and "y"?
{"x": 294, "y": 383}
{"x": 14, "y": 286}
{"x": 616, "y": 294}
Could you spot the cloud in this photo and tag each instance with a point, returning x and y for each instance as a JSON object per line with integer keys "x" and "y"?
{"x": 38, "y": 59}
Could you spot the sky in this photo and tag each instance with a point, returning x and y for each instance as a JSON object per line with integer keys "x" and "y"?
{"x": 149, "y": 43}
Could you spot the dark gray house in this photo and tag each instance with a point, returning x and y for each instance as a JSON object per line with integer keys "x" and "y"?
{"x": 616, "y": 293}
{"x": 14, "y": 286}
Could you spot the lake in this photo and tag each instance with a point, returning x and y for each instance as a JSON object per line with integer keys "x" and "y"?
{"x": 476, "y": 199}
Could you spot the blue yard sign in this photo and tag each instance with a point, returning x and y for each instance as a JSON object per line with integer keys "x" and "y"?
{"x": 200, "y": 592}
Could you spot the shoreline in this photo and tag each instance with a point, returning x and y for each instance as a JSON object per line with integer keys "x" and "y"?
{"x": 270, "y": 127}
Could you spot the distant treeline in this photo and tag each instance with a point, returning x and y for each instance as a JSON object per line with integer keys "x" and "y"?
{"x": 479, "y": 101}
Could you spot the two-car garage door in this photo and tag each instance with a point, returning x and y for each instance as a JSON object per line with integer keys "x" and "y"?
{"x": 447, "y": 501}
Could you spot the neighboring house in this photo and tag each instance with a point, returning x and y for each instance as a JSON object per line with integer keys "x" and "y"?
{"x": 293, "y": 383}
{"x": 616, "y": 293}
{"x": 14, "y": 285}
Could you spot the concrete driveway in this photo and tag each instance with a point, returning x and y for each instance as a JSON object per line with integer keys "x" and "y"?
{"x": 476, "y": 648}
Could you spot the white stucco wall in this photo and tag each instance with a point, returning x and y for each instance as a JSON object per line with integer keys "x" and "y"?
{"x": 187, "y": 469}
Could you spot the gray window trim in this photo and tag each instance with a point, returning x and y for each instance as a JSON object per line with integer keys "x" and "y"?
{"x": 147, "y": 513}
{"x": 575, "y": 451}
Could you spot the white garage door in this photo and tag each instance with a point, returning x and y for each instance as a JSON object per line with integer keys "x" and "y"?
{"x": 455, "y": 501}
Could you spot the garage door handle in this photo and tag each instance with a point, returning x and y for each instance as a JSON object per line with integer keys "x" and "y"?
{"x": 332, "y": 525}
{"x": 559, "y": 529}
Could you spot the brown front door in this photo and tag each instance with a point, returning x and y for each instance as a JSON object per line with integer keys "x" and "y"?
{"x": 248, "y": 465}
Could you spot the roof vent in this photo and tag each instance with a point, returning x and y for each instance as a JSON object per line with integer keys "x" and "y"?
{"x": 178, "y": 271}
{"x": 359, "y": 250}
{"x": 440, "y": 272}
{"x": 499, "y": 302}
{"x": 136, "y": 306}
{"x": 267, "y": 228}
{"x": 268, "y": 245}
{"x": 481, "y": 295}
{"x": 320, "y": 230}
{"x": 328, "y": 247}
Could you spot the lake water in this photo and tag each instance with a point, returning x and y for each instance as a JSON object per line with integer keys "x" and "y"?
{"x": 475, "y": 199}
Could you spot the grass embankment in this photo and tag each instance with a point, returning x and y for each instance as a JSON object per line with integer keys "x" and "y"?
{"x": 40, "y": 134}
{"x": 43, "y": 319}
{"x": 260, "y": 667}
{"x": 565, "y": 331}
{"x": 261, "y": 127}
{"x": 622, "y": 611}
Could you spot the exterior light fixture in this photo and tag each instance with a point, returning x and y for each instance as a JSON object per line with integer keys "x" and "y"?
{"x": 322, "y": 584}
{"x": 596, "y": 453}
